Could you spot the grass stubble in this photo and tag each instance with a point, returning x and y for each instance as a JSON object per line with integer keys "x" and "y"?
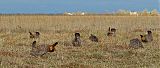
{"x": 109, "y": 52}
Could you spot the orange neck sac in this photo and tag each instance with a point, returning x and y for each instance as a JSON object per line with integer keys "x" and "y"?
{"x": 51, "y": 48}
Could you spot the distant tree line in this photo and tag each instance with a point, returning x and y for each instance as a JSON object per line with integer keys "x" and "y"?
{"x": 145, "y": 12}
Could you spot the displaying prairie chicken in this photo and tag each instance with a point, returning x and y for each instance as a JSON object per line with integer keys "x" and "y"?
{"x": 111, "y": 32}
{"x": 35, "y": 35}
{"x": 148, "y": 37}
{"x": 42, "y": 49}
{"x": 77, "y": 41}
{"x": 136, "y": 43}
{"x": 93, "y": 38}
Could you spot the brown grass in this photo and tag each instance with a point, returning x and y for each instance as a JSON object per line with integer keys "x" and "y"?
{"x": 112, "y": 52}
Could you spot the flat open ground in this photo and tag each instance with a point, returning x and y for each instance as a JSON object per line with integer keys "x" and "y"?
{"x": 110, "y": 52}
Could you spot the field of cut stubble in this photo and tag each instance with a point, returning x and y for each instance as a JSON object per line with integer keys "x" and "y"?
{"x": 109, "y": 52}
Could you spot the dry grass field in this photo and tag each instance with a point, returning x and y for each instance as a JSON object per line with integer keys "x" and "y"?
{"x": 109, "y": 52}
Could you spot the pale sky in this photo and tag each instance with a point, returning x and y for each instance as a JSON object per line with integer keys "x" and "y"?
{"x": 60, "y": 6}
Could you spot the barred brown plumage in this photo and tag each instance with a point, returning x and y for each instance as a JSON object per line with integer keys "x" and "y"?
{"x": 111, "y": 32}
{"x": 36, "y": 35}
{"x": 148, "y": 37}
{"x": 42, "y": 49}
{"x": 77, "y": 41}
{"x": 136, "y": 43}
{"x": 93, "y": 38}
